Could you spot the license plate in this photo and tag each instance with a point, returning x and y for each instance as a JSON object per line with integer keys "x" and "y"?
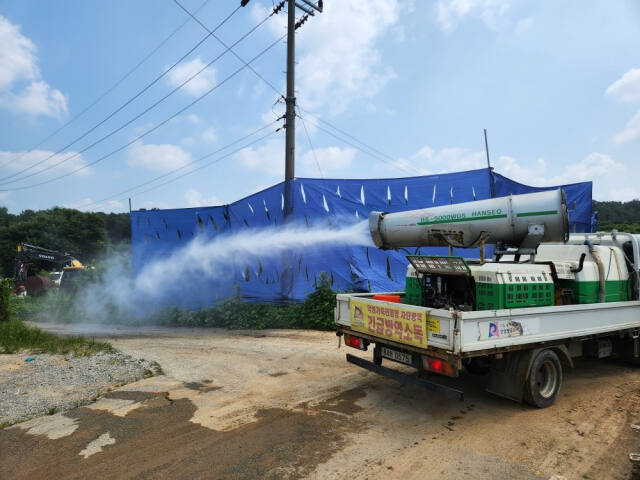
{"x": 401, "y": 357}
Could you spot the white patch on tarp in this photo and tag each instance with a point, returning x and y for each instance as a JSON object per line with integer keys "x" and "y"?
{"x": 362, "y": 194}
{"x": 282, "y": 202}
{"x": 389, "y": 194}
{"x": 496, "y": 329}
{"x": 304, "y": 196}
{"x": 265, "y": 206}
{"x": 251, "y": 208}
{"x": 338, "y": 192}
{"x": 406, "y": 194}
{"x": 324, "y": 203}
{"x": 357, "y": 215}
{"x": 95, "y": 446}
{"x": 433, "y": 197}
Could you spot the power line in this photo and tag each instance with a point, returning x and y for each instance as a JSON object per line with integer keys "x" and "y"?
{"x": 204, "y": 157}
{"x": 182, "y": 110}
{"x": 304, "y": 124}
{"x": 373, "y": 149}
{"x": 110, "y": 89}
{"x": 149, "y": 85}
{"x": 206, "y": 164}
{"x": 275, "y": 9}
{"x": 136, "y": 117}
{"x": 393, "y": 162}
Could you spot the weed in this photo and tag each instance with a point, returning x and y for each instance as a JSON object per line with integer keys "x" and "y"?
{"x": 15, "y": 335}
{"x": 52, "y": 410}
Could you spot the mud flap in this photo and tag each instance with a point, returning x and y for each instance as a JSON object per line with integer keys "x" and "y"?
{"x": 509, "y": 373}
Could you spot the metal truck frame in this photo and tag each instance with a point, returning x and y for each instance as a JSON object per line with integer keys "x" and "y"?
{"x": 526, "y": 362}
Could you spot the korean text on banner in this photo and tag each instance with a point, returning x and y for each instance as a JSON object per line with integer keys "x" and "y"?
{"x": 399, "y": 323}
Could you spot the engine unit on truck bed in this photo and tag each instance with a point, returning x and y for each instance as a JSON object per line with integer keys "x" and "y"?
{"x": 443, "y": 282}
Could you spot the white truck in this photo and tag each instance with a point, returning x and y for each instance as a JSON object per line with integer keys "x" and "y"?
{"x": 544, "y": 299}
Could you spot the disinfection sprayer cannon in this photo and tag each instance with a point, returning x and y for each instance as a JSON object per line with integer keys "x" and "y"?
{"x": 519, "y": 222}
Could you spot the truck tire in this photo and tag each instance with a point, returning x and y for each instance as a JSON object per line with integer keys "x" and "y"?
{"x": 544, "y": 379}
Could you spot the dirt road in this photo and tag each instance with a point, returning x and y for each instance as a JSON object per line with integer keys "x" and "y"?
{"x": 285, "y": 404}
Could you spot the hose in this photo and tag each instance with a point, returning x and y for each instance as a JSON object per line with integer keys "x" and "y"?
{"x": 601, "y": 274}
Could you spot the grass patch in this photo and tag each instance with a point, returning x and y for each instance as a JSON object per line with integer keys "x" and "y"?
{"x": 16, "y": 336}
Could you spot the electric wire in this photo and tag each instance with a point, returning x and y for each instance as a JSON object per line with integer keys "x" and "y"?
{"x": 109, "y": 90}
{"x": 257, "y": 140}
{"x": 171, "y": 172}
{"x": 144, "y": 89}
{"x": 392, "y": 162}
{"x": 304, "y": 124}
{"x": 373, "y": 149}
{"x": 276, "y": 90}
{"x": 154, "y": 128}
{"x": 212, "y": 33}
{"x": 145, "y": 111}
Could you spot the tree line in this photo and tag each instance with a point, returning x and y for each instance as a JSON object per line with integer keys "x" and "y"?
{"x": 622, "y": 216}
{"x": 90, "y": 235}
{"x": 85, "y": 235}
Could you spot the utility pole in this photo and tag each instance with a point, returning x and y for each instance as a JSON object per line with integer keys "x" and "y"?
{"x": 308, "y": 7}
{"x": 491, "y": 183}
{"x": 290, "y": 119}
{"x": 287, "y": 276}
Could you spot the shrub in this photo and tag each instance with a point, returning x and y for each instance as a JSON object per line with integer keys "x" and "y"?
{"x": 5, "y": 300}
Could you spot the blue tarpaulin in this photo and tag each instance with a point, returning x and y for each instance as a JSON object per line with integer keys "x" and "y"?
{"x": 334, "y": 203}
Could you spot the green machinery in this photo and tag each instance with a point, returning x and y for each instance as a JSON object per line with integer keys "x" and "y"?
{"x": 535, "y": 264}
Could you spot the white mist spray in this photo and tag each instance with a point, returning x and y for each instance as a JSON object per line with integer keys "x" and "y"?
{"x": 204, "y": 259}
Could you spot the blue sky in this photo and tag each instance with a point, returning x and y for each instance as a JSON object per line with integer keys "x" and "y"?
{"x": 557, "y": 85}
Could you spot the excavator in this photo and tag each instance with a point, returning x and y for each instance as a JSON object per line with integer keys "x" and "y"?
{"x": 28, "y": 255}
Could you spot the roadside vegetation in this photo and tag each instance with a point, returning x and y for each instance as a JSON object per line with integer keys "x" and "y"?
{"x": 16, "y": 336}
{"x": 315, "y": 312}
{"x": 621, "y": 216}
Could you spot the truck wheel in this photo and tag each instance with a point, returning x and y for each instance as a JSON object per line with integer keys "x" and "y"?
{"x": 544, "y": 379}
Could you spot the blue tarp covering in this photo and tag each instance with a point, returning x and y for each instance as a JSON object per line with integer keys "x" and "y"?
{"x": 334, "y": 203}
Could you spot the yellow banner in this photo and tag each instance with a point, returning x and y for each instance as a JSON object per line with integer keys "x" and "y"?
{"x": 401, "y": 323}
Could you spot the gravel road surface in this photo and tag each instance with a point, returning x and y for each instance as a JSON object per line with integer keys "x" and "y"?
{"x": 285, "y": 404}
{"x": 49, "y": 383}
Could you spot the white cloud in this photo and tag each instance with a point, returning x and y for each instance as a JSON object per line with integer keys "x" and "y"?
{"x": 21, "y": 87}
{"x": 611, "y": 179}
{"x": 523, "y": 25}
{"x": 491, "y": 12}
{"x": 87, "y": 205}
{"x": 267, "y": 158}
{"x": 210, "y": 136}
{"x": 627, "y": 87}
{"x": 193, "y": 118}
{"x": 329, "y": 158}
{"x": 161, "y": 157}
{"x": 631, "y": 130}
{"x": 17, "y": 56}
{"x": 337, "y": 53}
{"x": 16, "y": 161}
{"x": 196, "y": 199}
{"x": 199, "y": 84}
{"x": 38, "y": 98}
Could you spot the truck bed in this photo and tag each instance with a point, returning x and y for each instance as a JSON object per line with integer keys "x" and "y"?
{"x": 468, "y": 334}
